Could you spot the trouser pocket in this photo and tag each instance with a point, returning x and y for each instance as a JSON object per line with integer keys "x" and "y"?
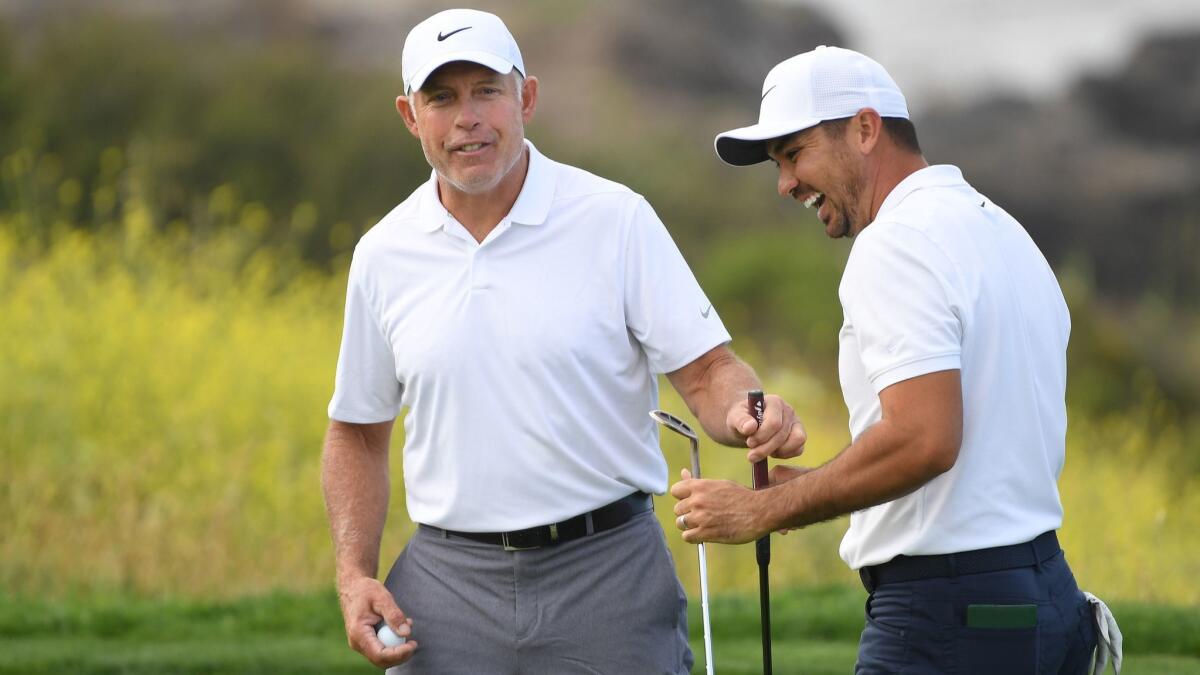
{"x": 999, "y": 639}
{"x": 884, "y": 647}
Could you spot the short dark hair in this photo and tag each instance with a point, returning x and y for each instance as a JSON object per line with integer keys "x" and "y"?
{"x": 901, "y": 130}
{"x": 834, "y": 127}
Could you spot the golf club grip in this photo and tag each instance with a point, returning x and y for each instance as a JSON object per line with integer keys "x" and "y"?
{"x": 762, "y": 548}
{"x": 759, "y": 478}
{"x": 758, "y": 407}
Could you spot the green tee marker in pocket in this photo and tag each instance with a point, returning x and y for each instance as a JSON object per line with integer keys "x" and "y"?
{"x": 1001, "y": 616}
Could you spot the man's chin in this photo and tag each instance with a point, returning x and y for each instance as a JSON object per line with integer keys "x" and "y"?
{"x": 474, "y": 184}
{"x": 479, "y": 179}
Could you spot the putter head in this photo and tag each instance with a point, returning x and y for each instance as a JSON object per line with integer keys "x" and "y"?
{"x": 674, "y": 424}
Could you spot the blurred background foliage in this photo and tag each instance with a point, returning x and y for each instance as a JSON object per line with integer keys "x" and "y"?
{"x": 180, "y": 192}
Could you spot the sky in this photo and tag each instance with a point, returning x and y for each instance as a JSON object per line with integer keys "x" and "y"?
{"x": 955, "y": 50}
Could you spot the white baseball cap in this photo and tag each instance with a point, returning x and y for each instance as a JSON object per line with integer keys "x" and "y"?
{"x": 458, "y": 35}
{"x": 827, "y": 83}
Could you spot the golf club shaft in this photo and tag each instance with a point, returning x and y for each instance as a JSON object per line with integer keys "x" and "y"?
{"x": 708, "y": 659}
{"x": 708, "y": 654}
{"x": 762, "y": 547}
{"x": 764, "y": 616}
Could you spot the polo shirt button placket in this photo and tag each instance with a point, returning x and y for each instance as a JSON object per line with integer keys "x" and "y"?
{"x": 478, "y": 275}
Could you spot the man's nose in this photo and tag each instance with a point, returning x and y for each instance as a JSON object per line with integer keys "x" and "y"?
{"x": 468, "y": 116}
{"x": 787, "y": 183}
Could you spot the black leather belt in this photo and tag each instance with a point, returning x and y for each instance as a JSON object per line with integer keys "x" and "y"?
{"x": 912, "y": 568}
{"x": 604, "y": 518}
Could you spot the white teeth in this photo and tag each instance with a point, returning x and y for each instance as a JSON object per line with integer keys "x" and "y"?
{"x": 471, "y": 148}
{"x": 812, "y": 200}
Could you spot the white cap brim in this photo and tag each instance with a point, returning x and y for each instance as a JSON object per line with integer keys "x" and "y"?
{"x": 487, "y": 59}
{"x": 748, "y": 145}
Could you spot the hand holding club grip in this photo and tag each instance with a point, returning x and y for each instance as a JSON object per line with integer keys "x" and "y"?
{"x": 762, "y": 547}
{"x": 760, "y": 479}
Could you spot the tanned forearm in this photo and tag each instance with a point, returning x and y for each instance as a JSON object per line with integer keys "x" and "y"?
{"x": 710, "y": 386}
{"x": 909, "y": 447}
{"x": 354, "y": 478}
{"x": 871, "y": 471}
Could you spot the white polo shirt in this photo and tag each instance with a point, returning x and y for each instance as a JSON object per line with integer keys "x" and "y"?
{"x": 527, "y": 361}
{"x": 944, "y": 279}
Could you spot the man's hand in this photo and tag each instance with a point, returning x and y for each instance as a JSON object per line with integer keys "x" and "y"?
{"x": 781, "y": 434}
{"x": 364, "y": 602}
{"x": 718, "y": 510}
{"x": 714, "y": 387}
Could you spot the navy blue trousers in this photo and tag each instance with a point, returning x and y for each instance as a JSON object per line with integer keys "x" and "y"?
{"x": 920, "y": 627}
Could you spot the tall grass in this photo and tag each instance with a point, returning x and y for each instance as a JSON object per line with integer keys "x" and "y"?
{"x": 162, "y": 414}
{"x": 162, "y": 404}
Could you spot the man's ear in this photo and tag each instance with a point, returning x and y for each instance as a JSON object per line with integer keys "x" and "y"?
{"x": 865, "y": 128}
{"x": 529, "y": 95}
{"x": 404, "y": 107}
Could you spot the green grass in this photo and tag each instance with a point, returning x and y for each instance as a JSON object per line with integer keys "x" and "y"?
{"x": 815, "y": 631}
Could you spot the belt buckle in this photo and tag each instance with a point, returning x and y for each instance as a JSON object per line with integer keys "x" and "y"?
{"x": 510, "y": 547}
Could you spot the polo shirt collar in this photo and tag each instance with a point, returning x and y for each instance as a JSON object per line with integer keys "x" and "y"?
{"x": 938, "y": 175}
{"x": 533, "y": 204}
{"x": 531, "y": 208}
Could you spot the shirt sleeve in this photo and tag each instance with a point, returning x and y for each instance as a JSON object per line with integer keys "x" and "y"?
{"x": 665, "y": 308}
{"x": 365, "y": 388}
{"x": 897, "y": 293}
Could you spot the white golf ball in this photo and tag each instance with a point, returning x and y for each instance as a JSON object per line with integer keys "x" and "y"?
{"x": 388, "y": 637}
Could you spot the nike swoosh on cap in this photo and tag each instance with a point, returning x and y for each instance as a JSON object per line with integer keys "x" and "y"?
{"x": 443, "y": 37}
{"x": 768, "y": 91}
{"x": 704, "y": 312}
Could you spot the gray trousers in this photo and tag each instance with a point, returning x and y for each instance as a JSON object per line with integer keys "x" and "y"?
{"x": 609, "y": 603}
